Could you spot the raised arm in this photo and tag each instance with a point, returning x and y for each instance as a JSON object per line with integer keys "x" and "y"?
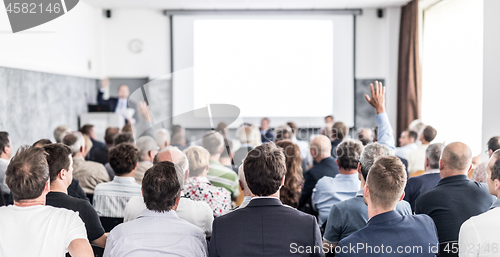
{"x": 103, "y": 93}
{"x": 377, "y": 100}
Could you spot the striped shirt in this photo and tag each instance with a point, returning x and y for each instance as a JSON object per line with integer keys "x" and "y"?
{"x": 111, "y": 198}
{"x": 222, "y": 176}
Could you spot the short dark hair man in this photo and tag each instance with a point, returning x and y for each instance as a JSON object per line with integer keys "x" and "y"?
{"x": 455, "y": 198}
{"x": 266, "y": 135}
{"x": 29, "y": 228}
{"x": 124, "y": 137}
{"x": 329, "y": 191}
{"x": 386, "y": 229}
{"x": 88, "y": 130}
{"x": 61, "y": 175}
{"x": 339, "y": 132}
{"x": 42, "y": 142}
{"x": 329, "y": 121}
{"x": 158, "y": 229}
{"x": 111, "y": 198}
{"x": 407, "y": 142}
{"x": 266, "y": 223}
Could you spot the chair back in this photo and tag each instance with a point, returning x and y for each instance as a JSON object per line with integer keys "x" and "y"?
{"x": 109, "y": 223}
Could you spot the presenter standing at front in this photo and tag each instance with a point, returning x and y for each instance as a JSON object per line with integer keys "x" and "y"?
{"x": 120, "y": 105}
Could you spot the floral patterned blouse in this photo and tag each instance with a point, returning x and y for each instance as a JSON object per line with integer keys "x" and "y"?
{"x": 200, "y": 189}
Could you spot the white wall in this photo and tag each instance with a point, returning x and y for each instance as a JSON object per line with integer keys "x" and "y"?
{"x": 491, "y": 66}
{"x": 83, "y": 34}
{"x": 65, "y": 45}
{"x": 377, "y": 44}
{"x": 152, "y": 28}
{"x": 377, "y": 41}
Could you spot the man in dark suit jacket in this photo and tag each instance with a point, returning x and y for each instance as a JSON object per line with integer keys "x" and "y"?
{"x": 387, "y": 232}
{"x": 88, "y": 130}
{"x": 265, "y": 226}
{"x": 324, "y": 165}
{"x": 266, "y": 135}
{"x": 417, "y": 186}
{"x": 120, "y": 104}
{"x": 455, "y": 198}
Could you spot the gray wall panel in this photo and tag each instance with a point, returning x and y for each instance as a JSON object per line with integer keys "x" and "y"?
{"x": 33, "y": 103}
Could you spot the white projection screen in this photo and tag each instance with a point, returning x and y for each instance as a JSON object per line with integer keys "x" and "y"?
{"x": 286, "y": 67}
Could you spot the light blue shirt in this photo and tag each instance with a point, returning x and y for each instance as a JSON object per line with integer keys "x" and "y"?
{"x": 156, "y": 234}
{"x": 329, "y": 191}
{"x": 385, "y": 134}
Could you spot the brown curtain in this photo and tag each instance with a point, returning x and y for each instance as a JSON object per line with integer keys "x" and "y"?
{"x": 409, "y": 75}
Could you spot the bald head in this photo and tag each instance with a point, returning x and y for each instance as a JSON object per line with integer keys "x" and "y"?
{"x": 321, "y": 147}
{"x": 174, "y": 155}
{"x": 456, "y": 159}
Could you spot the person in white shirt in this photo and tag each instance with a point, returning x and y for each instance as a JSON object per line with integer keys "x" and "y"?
{"x": 479, "y": 235}
{"x": 29, "y": 227}
{"x": 158, "y": 230}
{"x": 195, "y": 212}
{"x": 416, "y": 158}
{"x": 407, "y": 141}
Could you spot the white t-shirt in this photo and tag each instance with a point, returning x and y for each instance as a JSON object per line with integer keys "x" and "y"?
{"x": 38, "y": 231}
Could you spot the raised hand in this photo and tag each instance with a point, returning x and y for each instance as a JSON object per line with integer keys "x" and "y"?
{"x": 144, "y": 111}
{"x": 377, "y": 99}
{"x": 105, "y": 83}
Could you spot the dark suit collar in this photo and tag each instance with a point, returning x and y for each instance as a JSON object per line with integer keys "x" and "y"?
{"x": 453, "y": 179}
{"x": 264, "y": 202}
{"x": 384, "y": 217}
{"x": 328, "y": 159}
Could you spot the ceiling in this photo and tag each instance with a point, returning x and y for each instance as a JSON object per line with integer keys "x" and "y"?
{"x": 246, "y": 4}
